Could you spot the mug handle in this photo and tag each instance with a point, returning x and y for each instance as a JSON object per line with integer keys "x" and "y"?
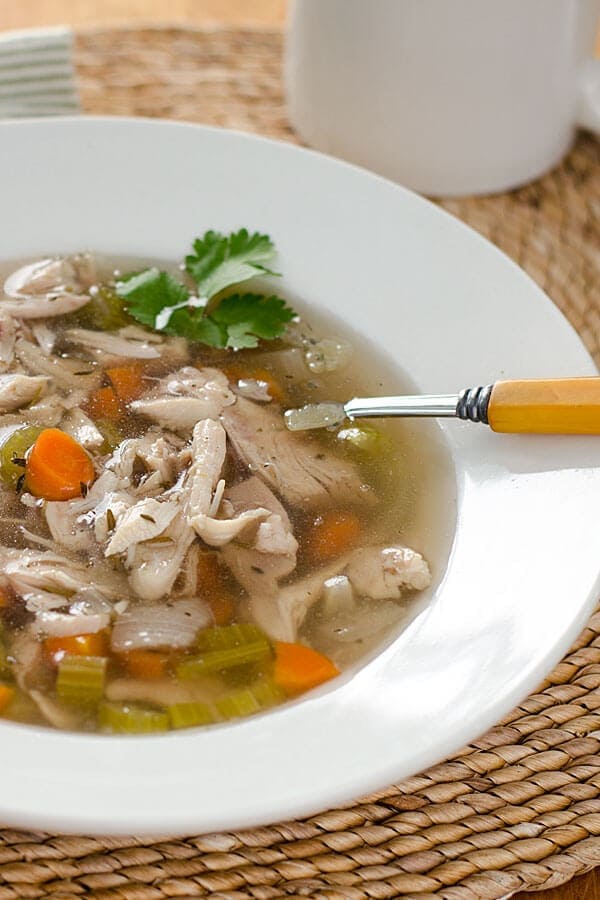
{"x": 588, "y": 112}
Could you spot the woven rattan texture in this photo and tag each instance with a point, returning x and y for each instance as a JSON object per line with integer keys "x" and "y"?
{"x": 519, "y": 808}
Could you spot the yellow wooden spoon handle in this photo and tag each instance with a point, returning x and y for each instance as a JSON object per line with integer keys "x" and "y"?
{"x": 556, "y": 406}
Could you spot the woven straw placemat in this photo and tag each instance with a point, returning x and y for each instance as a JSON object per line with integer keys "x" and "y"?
{"x": 517, "y": 809}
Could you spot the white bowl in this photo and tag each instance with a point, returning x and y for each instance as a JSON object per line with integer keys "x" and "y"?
{"x": 455, "y": 312}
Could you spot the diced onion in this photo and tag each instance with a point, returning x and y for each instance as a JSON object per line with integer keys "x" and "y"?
{"x": 165, "y": 625}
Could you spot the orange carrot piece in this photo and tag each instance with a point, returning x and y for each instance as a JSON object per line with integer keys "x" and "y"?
{"x": 299, "y": 668}
{"x": 104, "y": 404}
{"x": 6, "y": 695}
{"x": 4, "y": 598}
{"x": 57, "y": 467}
{"x": 146, "y": 664}
{"x": 222, "y": 608}
{"x": 213, "y": 589}
{"x": 95, "y": 644}
{"x": 332, "y": 534}
{"x": 126, "y": 381}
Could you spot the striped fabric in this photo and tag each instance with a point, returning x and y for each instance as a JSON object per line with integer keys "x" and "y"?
{"x": 36, "y": 73}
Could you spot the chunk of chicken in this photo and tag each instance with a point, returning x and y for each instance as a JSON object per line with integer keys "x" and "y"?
{"x": 49, "y": 287}
{"x": 67, "y": 374}
{"x": 155, "y": 566}
{"x": 136, "y": 459}
{"x": 272, "y": 552}
{"x": 281, "y": 613}
{"x": 185, "y": 397}
{"x": 53, "y": 712}
{"x": 79, "y": 426}
{"x": 146, "y": 520}
{"x": 383, "y": 572}
{"x": 8, "y": 330}
{"x": 20, "y": 390}
{"x": 113, "y": 344}
{"x": 299, "y": 470}
{"x": 30, "y": 570}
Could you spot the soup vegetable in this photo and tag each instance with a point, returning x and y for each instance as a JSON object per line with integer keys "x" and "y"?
{"x": 171, "y": 555}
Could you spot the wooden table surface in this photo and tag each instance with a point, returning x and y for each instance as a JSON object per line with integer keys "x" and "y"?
{"x": 31, "y": 13}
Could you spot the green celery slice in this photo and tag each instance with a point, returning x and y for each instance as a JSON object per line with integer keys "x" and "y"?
{"x": 186, "y": 715}
{"x": 247, "y": 701}
{"x": 237, "y": 704}
{"x": 221, "y": 660}
{"x": 225, "y": 636}
{"x": 80, "y": 680}
{"x": 126, "y": 718}
{"x": 267, "y": 693}
{"x": 14, "y": 447}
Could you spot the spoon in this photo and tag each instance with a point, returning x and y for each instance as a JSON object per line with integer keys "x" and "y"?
{"x": 553, "y": 406}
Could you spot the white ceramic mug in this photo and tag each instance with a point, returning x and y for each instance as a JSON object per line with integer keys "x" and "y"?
{"x": 445, "y": 96}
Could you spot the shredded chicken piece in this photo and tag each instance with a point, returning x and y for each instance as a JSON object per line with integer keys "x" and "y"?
{"x": 271, "y": 554}
{"x": 165, "y": 692}
{"x": 8, "y": 330}
{"x": 67, "y": 374}
{"x": 135, "y": 459}
{"x": 54, "y": 713}
{"x": 45, "y": 336}
{"x": 142, "y": 522}
{"x": 180, "y": 400}
{"x": 113, "y": 344}
{"x": 380, "y": 573}
{"x": 19, "y": 390}
{"x": 281, "y": 613}
{"x": 79, "y": 426}
{"x": 28, "y": 659}
{"x": 28, "y": 571}
{"x": 302, "y": 472}
{"x": 49, "y": 287}
{"x": 154, "y": 566}
{"x": 383, "y": 572}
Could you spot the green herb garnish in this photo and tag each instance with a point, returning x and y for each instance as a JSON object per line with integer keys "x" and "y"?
{"x": 155, "y": 298}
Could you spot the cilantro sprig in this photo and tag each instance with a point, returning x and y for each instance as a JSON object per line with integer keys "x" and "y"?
{"x": 157, "y": 299}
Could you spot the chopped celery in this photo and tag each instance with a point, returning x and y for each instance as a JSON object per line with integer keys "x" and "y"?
{"x": 185, "y": 715}
{"x": 227, "y": 636}
{"x": 365, "y": 439}
{"x": 220, "y": 660}
{"x": 246, "y": 701}
{"x": 13, "y": 450}
{"x": 105, "y": 311}
{"x": 126, "y": 718}
{"x": 80, "y": 679}
{"x": 238, "y": 703}
{"x": 111, "y": 434}
{"x": 267, "y": 693}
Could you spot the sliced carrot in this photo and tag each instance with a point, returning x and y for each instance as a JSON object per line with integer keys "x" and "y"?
{"x": 4, "y": 598}
{"x": 299, "y": 668}
{"x": 104, "y": 404}
{"x": 331, "y": 535}
{"x": 213, "y": 588}
{"x": 127, "y": 381}
{"x": 58, "y": 468}
{"x": 146, "y": 664}
{"x": 95, "y": 644}
{"x": 222, "y": 608}
{"x": 209, "y": 576}
{"x": 6, "y": 695}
